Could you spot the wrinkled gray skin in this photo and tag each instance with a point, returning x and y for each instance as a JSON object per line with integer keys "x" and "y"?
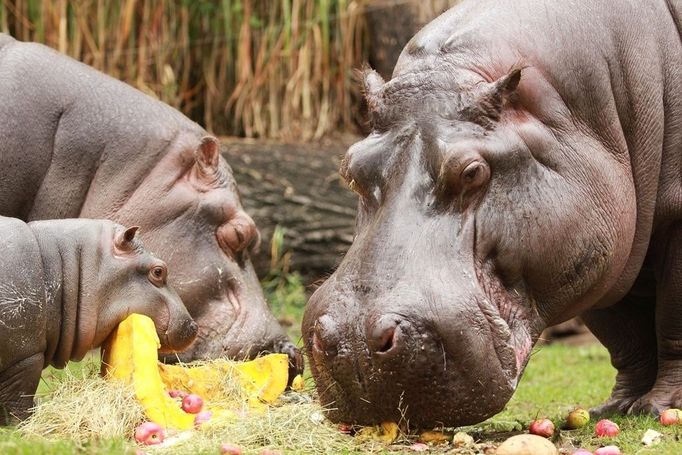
{"x": 64, "y": 287}
{"x": 524, "y": 168}
{"x": 75, "y": 143}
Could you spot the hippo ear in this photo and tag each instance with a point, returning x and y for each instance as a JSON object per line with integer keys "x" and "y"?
{"x": 509, "y": 82}
{"x": 124, "y": 241}
{"x": 207, "y": 155}
{"x": 372, "y": 84}
{"x": 498, "y": 93}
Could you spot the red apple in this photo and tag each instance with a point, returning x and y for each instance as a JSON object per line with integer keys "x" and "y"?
{"x": 608, "y": 450}
{"x": 202, "y": 417}
{"x": 577, "y": 418}
{"x": 149, "y": 433}
{"x": 542, "y": 427}
{"x": 606, "y": 429}
{"x": 671, "y": 416}
{"x": 229, "y": 449}
{"x": 192, "y": 403}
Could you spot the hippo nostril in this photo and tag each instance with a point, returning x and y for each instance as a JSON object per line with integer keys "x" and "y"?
{"x": 387, "y": 340}
{"x": 382, "y": 336}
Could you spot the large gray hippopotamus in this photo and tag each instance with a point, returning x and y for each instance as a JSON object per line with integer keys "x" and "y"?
{"x": 524, "y": 168}
{"x": 75, "y": 143}
{"x": 64, "y": 287}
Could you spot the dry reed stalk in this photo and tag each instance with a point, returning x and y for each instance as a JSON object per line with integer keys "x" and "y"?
{"x": 276, "y": 68}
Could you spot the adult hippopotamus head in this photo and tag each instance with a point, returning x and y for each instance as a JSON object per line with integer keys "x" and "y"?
{"x": 484, "y": 215}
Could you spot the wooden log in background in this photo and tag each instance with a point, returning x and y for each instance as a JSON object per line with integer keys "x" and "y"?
{"x": 391, "y": 24}
{"x": 296, "y": 186}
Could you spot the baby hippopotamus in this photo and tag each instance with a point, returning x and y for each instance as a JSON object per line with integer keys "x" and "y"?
{"x": 64, "y": 287}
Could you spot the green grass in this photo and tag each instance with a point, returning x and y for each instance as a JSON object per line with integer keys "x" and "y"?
{"x": 12, "y": 443}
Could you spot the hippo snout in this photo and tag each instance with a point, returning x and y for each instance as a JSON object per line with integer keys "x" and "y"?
{"x": 181, "y": 330}
{"x": 382, "y": 367}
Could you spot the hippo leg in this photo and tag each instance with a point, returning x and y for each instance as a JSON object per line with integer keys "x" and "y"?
{"x": 18, "y": 385}
{"x": 667, "y": 390}
{"x": 628, "y": 331}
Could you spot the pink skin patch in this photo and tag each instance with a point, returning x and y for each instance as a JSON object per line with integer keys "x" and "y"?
{"x": 522, "y": 349}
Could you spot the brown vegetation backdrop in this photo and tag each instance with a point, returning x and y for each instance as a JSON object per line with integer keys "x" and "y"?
{"x": 255, "y": 68}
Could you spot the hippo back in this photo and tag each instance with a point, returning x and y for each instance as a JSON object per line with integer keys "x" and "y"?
{"x": 63, "y": 139}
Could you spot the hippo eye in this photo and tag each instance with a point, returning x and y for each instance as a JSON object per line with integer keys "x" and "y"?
{"x": 157, "y": 275}
{"x": 474, "y": 174}
{"x": 459, "y": 176}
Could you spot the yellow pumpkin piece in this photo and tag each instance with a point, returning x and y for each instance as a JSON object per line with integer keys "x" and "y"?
{"x": 434, "y": 437}
{"x": 262, "y": 380}
{"x": 298, "y": 384}
{"x": 130, "y": 354}
{"x": 387, "y": 433}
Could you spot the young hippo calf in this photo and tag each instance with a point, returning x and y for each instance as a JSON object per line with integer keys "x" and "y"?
{"x": 64, "y": 286}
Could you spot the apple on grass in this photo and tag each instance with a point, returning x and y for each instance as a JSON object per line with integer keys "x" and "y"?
{"x": 149, "y": 433}
{"x": 672, "y": 416}
{"x": 541, "y": 427}
{"x": 577, "y": 418}
{"x": 202, "y": 417}
{"x": 606, "y": 429}
{"x": 608, "y": 450}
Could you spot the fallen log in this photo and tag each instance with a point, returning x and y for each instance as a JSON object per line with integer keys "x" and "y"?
{"x": 297, "y": 187}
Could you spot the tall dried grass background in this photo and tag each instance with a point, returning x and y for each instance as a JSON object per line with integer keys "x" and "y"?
{"x": 255, "y": 68}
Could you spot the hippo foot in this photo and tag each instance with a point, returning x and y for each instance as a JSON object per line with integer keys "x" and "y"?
{"x": 657, "y": 401}
{"x": 296, "y": 361}
{"x": 613, "y": 406}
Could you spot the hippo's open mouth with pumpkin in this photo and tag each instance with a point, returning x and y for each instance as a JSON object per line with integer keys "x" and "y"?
{"x": 524, "y": 168}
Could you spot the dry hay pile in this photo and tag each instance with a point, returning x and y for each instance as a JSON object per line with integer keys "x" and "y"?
{"x": 83, "y": 407}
